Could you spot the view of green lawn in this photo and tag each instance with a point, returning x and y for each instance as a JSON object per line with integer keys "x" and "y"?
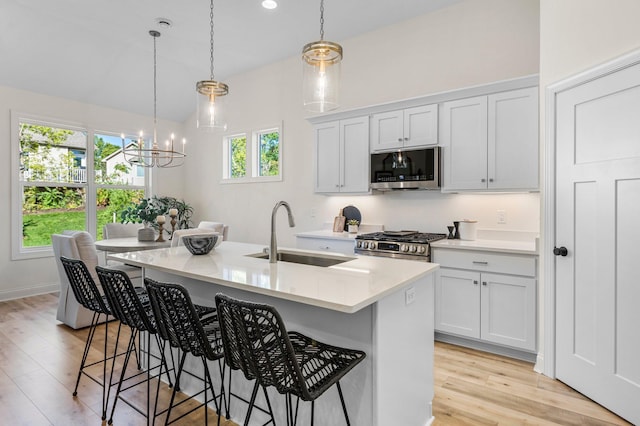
{"x": 39, "y": 227}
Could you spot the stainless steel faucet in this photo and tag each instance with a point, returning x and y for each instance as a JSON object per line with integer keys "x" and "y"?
{"x": 273, "y": 247}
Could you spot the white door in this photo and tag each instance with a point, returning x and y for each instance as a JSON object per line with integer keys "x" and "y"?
{"x": 386, "y": 131}
{"x": 598, "y": 221}
{"x": 458, "y": 302}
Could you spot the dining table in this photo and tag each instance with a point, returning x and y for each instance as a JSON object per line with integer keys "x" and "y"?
{"x": 127, "y": 244}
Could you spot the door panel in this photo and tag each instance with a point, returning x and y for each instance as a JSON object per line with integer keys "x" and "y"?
{"x": 597, "y": 213}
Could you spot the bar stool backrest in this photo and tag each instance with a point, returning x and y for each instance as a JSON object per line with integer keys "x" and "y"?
{"x": 83, "y": 286}
{"x": 256, "y": 341}
{"x": 124, "y": 301}
{"x": 178, "y": 319}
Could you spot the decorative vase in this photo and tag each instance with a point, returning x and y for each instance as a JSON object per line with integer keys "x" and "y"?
{"x": 146, "y": 234}
{"x": 353, "y": 229}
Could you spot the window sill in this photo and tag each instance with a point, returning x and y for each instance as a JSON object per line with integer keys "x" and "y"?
{"x": 252, "y": 180}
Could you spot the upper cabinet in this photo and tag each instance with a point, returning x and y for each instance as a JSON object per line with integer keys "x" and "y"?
{"x": 491, "y": 142}
{"x": 404, "y": 129}
{"x": 342, "y": 156}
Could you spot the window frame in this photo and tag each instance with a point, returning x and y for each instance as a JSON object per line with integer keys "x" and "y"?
{"x": 252, "y": 165}
{"x": 18, "y": 252}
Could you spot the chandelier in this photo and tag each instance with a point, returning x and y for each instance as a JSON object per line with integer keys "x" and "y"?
{"x": 209, "y": 95}
{"x": 321, "y": 72}
{"x": 150, "y": 154}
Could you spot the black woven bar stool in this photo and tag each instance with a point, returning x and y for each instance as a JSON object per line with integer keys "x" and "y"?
{"x": 87, "y": 294}
{"x": 179, "y": 320}
{"x": 256, "y": 341}
{"x": 133, "y": 309}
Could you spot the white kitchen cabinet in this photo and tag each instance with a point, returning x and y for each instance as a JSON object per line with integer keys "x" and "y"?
{"x": 343, "y": 245}
{"x": 474, "y": 301}
{"x": 491, "y": 142}
{"x": 342, "y": 156}
{"x": 404, "y": 129}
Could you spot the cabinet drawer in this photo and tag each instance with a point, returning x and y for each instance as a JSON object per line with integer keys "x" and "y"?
{"x": 485, "y": 261}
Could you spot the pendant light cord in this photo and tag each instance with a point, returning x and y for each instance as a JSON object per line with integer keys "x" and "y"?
{"x": 155, "y": 91}
{"x": 211, "y": 50}
{"x": 321, "y": 19}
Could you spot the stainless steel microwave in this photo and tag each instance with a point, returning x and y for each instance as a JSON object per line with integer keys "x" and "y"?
{"x": 414, "y": 169}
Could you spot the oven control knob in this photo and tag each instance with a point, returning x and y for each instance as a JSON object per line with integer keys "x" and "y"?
{"x": 421, "y": 249}
{"x": 372, "y": 245}
{"x": 404, "y": 247}
{"x": 365, "y": 244}
{"x": 358, "y": 244}
{"x": 412, "y": 249}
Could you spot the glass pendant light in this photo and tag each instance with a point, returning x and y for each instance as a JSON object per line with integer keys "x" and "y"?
{"x": 210, "y": 94}
{"x": 321, "y": 72}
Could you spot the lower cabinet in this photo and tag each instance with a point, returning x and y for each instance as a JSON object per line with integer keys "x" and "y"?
{"x": 344, "y": 246}
{"x": 477, "y": 303}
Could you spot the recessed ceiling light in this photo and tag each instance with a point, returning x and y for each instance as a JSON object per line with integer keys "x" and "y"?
{"x": 269, "y": 4}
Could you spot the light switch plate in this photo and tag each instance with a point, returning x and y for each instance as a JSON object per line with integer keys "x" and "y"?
{"x": 410, "y": 296}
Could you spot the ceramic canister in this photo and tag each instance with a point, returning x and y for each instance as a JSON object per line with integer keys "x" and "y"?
{"x": 468, "y": 229}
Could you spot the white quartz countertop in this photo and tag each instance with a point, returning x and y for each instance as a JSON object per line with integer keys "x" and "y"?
{"x": 504, "y": 246}
{"x": 346, "y": 287}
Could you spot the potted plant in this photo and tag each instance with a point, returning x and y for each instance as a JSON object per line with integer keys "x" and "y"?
{"x": 148, "y": 209}
{"x": 353, "y": 226}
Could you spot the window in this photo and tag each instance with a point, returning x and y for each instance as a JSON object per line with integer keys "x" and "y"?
{"x": 61, "y": 181}
{"x": 254, "y": 160}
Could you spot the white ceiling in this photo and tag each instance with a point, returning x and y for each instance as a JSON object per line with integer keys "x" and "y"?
{"x": 99, "y": 52}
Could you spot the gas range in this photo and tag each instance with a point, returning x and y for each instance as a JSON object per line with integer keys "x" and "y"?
{"x": 397, "y": 244}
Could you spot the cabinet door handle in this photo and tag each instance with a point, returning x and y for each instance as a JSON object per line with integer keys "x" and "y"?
{"x": 483, "y": 180}
{"x": 406, "y": 139}
{"x": 399, "y": 139}
{"x": 490, "y": 179}
{"x": 337, "y": 185}
{"x": 478, "y": 262}
{"x": 484, "y": 283}
{"x": 475, "y": 282}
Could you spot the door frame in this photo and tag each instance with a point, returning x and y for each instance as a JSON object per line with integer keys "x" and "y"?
{"x": 548, "y": 361}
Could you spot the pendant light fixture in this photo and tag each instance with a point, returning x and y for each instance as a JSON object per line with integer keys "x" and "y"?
{"x": 321, "y": 72}
{"x": 210, "y": 96}
{"x": 150, "y": 154}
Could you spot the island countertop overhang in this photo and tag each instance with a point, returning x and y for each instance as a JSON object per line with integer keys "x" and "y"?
{"x": 347, "y": 287}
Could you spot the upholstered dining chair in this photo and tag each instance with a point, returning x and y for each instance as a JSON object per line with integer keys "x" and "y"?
{"x": 216, "y": 226}
{"x": 79, "y": 245}
{"x": 176, "y": 238}
{"x": 120, "y": 230}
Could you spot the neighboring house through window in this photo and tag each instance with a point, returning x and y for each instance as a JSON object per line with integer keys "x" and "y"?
{"x": 62, "y": 182}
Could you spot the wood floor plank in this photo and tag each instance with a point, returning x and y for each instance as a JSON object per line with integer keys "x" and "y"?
{"x": 39, "y": 360}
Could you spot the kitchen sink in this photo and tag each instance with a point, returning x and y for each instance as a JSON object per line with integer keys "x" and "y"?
{"x": 305, "y": 258}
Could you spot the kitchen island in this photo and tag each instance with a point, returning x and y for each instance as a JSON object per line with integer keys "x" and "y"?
{"x": 384, "y": 307}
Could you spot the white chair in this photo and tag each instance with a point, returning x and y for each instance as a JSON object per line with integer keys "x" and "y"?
{"x": 120, "y": 230}
{"x": 217, "y": 226}
{"x": 176, "y": 239}
{"x": 80, "y": 245}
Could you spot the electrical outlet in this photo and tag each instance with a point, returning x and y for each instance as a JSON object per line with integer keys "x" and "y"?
{"x": 410, "y": 296}
{"x": 501, "y": 216}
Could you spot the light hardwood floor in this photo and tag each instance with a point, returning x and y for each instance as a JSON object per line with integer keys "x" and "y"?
{"x": 39, "y": 359}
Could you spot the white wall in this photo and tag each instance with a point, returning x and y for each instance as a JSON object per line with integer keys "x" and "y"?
{"x": 576, "y": 35}
{"x": 24, "y": 277}
{"x": 467, "y": 44}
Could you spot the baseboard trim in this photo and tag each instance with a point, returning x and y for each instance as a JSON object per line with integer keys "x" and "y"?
{"x": 28, "y": 291}
{"x": 486, "y": 347}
